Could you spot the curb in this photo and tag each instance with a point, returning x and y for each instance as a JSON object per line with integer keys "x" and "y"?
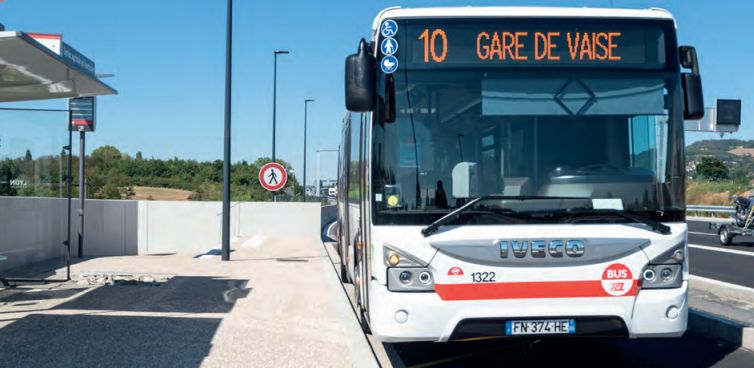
{"x": 722, "y": 289}
{"x": 712, "y": 326}
{"x": 360, "y": 350}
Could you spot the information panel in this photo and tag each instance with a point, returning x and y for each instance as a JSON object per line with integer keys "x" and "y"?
{"x": 488, "y": 43}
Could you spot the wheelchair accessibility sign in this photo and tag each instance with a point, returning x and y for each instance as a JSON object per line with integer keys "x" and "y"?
{"x": 389, "y": 28}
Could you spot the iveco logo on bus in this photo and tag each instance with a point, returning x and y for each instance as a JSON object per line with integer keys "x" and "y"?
{"x": 542, "y": 248}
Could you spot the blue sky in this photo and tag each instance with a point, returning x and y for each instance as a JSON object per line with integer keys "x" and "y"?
{"x": 168, "y": 57}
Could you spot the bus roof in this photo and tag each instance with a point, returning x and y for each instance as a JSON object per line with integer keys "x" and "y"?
{"x": 518, "y": 11}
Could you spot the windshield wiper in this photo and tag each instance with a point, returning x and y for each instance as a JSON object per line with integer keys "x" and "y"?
{"x": 656, "y": 226}
{"x": 455, "y": 214}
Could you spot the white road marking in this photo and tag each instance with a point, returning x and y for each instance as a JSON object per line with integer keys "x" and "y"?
{"x": 698, "y": 233}
{"x": 723, "y": 250}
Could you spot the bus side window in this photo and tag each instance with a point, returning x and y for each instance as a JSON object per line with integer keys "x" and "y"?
{"x": 354, "y": 172}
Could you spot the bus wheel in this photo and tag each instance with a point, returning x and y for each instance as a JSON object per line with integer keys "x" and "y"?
{"x": 724, "y": 234}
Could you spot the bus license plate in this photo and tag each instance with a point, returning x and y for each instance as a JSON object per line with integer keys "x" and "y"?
{"x": 540, "y": 327}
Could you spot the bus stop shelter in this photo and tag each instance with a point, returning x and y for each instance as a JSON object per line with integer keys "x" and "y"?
{"x": 31, "y": 71}
{"x": 31, "y": 68}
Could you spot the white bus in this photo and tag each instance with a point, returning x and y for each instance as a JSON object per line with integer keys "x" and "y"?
{"x": 516, "y": 171}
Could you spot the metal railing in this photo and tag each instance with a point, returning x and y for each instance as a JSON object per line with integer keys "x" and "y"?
{"x": 709, "y": 209}
{"x": 713, "y": 213}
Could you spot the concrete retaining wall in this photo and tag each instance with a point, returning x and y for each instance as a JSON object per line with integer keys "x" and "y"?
{"x": 168, "y": 227}
{"x": 282, "y": 218}
{"x": 33, "y": 229}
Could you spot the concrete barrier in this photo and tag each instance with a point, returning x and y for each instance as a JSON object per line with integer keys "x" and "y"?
{"x": 33, "y": 229}
{"x": 169, "y": 227}
{"x": 282, "y": 218}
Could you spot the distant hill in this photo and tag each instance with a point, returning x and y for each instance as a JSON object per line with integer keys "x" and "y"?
{"x": 737, "y": 154}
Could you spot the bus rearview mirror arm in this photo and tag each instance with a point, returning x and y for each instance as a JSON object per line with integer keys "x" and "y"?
{"x": 361, "y": 69}
{"x": 693, "y": 98}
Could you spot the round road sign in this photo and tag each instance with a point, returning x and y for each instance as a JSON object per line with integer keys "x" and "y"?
{"x": 272, "y": 176}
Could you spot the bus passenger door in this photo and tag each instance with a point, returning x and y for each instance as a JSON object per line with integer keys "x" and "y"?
{"x": 365, "y": 211}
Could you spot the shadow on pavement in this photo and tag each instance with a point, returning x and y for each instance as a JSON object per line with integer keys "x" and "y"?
{"x": 180, "y": 294}
{"x": 29, "y": 295}
{"x": 39, "y": 340}
{"x": 688, "y": 351}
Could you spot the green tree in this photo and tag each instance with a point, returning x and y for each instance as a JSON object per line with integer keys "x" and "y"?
{"x": 712, "y": 169}
{"x": 105, "y": 157}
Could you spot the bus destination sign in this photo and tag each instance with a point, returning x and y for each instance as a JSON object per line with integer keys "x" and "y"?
{"x": 474, "y": 45}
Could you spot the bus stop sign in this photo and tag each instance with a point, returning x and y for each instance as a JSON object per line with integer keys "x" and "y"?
{"x": 272, "y": 176}
{"x": 83, "y": 114}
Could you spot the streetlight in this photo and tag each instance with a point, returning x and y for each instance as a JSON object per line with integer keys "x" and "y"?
{"x": 306, "y": 105}
{"x": 225, "y": 252}
{"x": 274, "y": 102}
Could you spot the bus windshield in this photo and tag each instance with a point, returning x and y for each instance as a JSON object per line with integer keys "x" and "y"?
{"x": 475, "y": 127}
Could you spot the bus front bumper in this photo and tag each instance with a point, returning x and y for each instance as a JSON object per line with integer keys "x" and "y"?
{"x": 653, "y": 313}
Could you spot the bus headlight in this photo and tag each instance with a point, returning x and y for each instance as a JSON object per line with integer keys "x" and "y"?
{"x": 666, "y": 276}
{"x": 405, "y": 277}
{"x": 410, "y": 279}
{"x": 666, "y": 270}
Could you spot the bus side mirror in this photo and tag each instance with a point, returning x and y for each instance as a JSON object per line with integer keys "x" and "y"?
{"x": 361, "y": 69}
{"x": 693, "y": 98}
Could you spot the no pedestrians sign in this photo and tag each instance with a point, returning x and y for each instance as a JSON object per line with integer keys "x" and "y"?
{"x": 272, "y": 176}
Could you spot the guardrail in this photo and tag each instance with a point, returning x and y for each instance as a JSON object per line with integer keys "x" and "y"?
{"x": 709, "y": 209}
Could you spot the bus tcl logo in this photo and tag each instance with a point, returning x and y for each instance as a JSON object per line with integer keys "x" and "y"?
{"x": 617, "y": 274}
{"x": 455, "y": 271}
{"x": 617, "y": 279}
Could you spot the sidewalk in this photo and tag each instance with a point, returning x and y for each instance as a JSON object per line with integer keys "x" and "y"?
{"x": 722, "y": 311}
{"x": 276, "y": 304}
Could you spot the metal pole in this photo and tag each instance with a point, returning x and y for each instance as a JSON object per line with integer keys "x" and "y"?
{"x": 226, "y": 154}
{"x": 274, "y": 104}
{"x": 306, "y": 105}
{"x": 274, "y": 109}
{"x": 82, "y": 190}
{"x": 69, "y": 186}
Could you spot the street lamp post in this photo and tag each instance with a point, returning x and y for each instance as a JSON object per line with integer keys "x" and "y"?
{"x": 225, "y": 252}
{"x": 274, "y": 102}
{"x": 306, "y": 105}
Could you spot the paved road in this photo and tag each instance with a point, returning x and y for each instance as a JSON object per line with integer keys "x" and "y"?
{"x": 733, "y": 263}
{"x": 689, "y": 351}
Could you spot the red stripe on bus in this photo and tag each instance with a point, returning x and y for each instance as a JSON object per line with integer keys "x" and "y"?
{"x": 527, "y": 290}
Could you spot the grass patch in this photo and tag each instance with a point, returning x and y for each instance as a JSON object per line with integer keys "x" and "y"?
{"x": 716, "y": 193}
